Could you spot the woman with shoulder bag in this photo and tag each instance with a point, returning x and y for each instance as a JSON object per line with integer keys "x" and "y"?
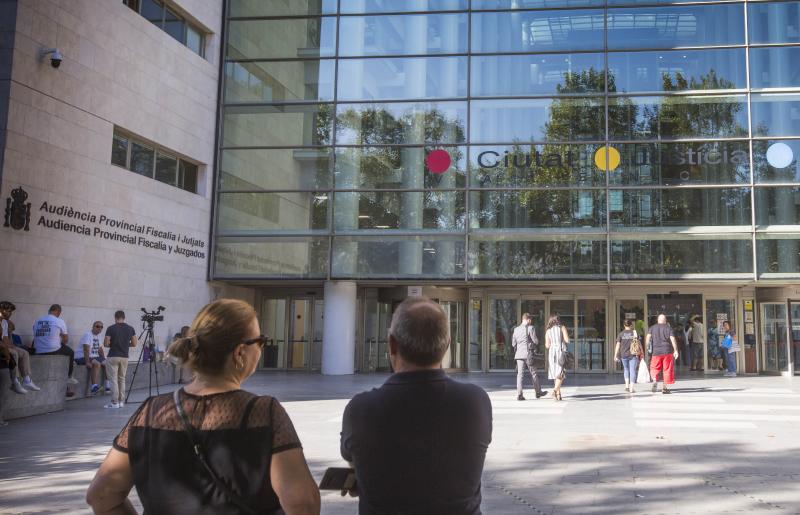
{"x": 558, "y": 357}
{"x": 210, "y": 447}
{"x": 628, "y": 350}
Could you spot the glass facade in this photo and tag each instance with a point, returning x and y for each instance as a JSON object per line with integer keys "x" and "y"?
{"x": 469, "y": 140}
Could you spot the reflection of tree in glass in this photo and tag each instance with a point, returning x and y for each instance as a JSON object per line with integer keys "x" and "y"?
{"x": 378, "y": 126}
{"x": 681, "y": 116}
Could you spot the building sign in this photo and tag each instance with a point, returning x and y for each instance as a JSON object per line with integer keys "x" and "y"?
{"x": 93, "y": 225}
{"x": 415, "y": 291}
{"x": 679, "y": 162}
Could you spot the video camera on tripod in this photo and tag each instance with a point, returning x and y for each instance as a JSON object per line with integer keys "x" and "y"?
{"x": 151, "y": 317}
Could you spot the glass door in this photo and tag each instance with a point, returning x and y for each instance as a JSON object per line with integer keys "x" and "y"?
{"x": 794, "y": 320}
{"x": 591, "y": 334}
{"x": 377, "y": 315}
{"x": 632, "y": 309}
{"x": 718, "y": 311}
{"x": 273, "y": 323}
{"x": 476, "y": 333}
{"x": 774, "y": 337}
{"x": 454, "y": 357}
{"x": 299, "y": 333}
{"x": 318, "y": 326}
{"x": 565, "y": 310}
{"x": 503, "y": 316}
{"x": 536, "y": 308}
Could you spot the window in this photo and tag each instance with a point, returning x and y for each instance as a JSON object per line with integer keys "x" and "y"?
{"x": 151, "y": 161}
{"x": 169, "y": 21}
{"x": 119, "y": 151}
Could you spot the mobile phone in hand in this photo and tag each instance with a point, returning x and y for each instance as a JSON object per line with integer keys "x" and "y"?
{"x": 336, "y": 478}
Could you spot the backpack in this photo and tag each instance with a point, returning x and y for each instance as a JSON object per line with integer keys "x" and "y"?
{"x": 636, "y": 345}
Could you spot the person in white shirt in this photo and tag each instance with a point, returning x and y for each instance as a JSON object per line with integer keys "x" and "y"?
{"x": 90, "y": 353}
{"x": 20, "y": 355}
{"x": 50, "y": 338}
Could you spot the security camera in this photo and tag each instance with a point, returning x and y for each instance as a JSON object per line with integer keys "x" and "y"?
{"x": 55, "y": 56}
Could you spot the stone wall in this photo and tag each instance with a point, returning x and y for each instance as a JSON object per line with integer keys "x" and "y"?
{"x": 118, "y": 70}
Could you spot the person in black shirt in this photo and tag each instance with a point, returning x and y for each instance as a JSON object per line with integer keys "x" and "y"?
{"x": 664, "y": 354}
{"x": 628, "y": 353}
{"x": 418, "y": 442}
{"x": 249, "y": 458}
{"x": 120, "y": 337}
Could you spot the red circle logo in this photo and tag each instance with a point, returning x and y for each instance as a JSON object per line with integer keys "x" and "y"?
{"x": 438, "y": 161}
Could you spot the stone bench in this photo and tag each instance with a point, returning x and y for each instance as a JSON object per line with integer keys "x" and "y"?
{"x": 50, "y": 374}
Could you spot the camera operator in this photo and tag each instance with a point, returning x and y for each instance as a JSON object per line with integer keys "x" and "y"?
{"x": 120, "y": 337}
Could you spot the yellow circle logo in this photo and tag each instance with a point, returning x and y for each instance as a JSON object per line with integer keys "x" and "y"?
{"x": 606, "y": 158}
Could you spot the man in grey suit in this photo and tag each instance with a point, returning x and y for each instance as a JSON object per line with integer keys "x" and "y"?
{"x": 523, "y": 339}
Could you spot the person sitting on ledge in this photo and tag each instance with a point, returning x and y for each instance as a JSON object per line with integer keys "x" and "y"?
{"x": 90, "y": 353}
{"x": 50, "y": 338}
{"x": 21, "y": 356}
{"x": 210, "y": 447}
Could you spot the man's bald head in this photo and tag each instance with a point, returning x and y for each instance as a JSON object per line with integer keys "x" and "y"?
{"x": 662, "y": 319}
{"x": 421, "y": 331}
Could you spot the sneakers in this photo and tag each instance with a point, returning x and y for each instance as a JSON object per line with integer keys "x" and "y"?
{"x": 632, "y": 390}
{"x": 655, "y": 387}
{"x": 627, "y": 390}
{"x": 729, "y": 374}
{"x": 17, "y": 388}
{"x": 541, "y": 394}
{"x": 520, "y": 397}
{"x": 113, "y": 405}
{"x": 666, "y": 391}
{"x": 28, "y": 385}
{"x": 72, "y": 380}
{"x": 95, "y": 389}
{"x": 70, "y": 393}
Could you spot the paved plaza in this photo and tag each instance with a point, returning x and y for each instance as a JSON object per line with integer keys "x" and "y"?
{"x": 717, "y": 445}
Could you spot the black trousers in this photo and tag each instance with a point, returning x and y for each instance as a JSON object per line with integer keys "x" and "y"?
{"x": 65, "y": 350}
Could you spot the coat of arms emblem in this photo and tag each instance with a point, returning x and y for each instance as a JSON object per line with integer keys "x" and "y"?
{"x": 18, "y": 212}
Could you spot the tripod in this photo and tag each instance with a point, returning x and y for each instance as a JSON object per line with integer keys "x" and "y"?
{"x": 150, "y": 344}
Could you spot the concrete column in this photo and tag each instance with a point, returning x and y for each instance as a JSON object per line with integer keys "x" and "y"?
{"x": 339, "y": 334}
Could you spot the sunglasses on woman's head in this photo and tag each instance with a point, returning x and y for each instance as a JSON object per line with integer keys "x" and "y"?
{"x": 261, "y": 340}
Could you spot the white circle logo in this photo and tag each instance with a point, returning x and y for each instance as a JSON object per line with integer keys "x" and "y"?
{"x": 780, "y": 155}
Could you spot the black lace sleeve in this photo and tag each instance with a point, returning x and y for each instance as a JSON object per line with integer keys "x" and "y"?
{"x": 121, "y": 440}
{"x": 284, "y": 437}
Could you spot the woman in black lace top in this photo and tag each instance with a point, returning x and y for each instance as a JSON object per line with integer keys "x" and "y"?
{"x": 248, "y": 457}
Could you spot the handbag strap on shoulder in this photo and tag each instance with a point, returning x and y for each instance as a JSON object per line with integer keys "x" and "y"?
{"x": 198, "y": 452}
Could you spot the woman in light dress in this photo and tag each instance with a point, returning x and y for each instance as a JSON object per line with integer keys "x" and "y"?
{"x": 556, "y": 340}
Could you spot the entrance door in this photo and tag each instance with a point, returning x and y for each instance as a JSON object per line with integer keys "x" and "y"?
{"x": 718, "y": 311}
{"x": 295, "y": 326}
{"x": 377, "y": 315}
{"x": 679, "y": 310}
{"x": 536, "y": 308}
{"x": 503, "y": 315}
{"x": 629, "y": 309}
{"x": 774, "y": 337}
{"x": 299, "y": 334}
{"x": 454, "y": 357}
{"x": 794, "y": 323}
{"x": 273, "y": 323}
{"x": 565, "y": 310}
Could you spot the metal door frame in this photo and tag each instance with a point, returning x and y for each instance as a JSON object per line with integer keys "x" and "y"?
{"x": 289, "y": 298}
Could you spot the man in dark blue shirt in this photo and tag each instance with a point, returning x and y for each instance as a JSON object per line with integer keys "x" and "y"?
{"x": 120, "y": 337}
{"x": 418, "y": 442}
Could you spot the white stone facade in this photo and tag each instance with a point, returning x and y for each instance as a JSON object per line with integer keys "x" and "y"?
{"x": 118, "y": 70}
